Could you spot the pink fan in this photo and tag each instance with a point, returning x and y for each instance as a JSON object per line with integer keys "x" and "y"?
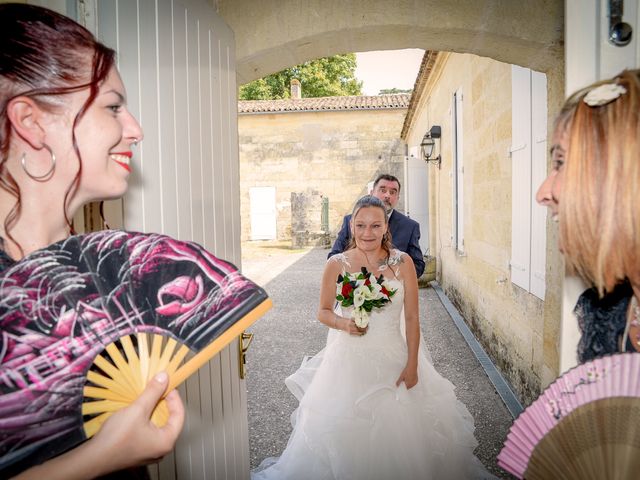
{"x": 583, "y": 426}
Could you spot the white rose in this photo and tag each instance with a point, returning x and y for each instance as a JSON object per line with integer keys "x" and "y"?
{"x": 368, "y": 294}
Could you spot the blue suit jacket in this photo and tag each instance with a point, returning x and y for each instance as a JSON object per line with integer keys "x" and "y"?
{"x": 405, "y": 234}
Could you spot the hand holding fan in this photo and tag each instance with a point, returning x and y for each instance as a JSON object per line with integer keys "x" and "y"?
{"x": 583, "y": 426}
{"x": 86, "y": 322}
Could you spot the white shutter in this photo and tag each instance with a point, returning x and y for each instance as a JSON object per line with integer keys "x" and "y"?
{"x": 453, "y": 176}
{"x": 416, "y": 187}
{"x": 459, "y": 159}
{"x": 538, "y": 174}
{"x": 520, "y": 175}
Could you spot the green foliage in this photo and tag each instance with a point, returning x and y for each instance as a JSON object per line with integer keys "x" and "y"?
{"x": 387, "y": 91}
{"x": 323, "y": 77}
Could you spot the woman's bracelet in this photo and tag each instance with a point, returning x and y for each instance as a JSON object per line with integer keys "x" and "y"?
{"x": 335, "y": 321}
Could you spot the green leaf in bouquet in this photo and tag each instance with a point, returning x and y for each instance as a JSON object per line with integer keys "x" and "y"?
{"x": 339, "y": 298}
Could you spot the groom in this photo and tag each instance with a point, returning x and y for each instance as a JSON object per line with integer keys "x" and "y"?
{"x": 405, "y": 232}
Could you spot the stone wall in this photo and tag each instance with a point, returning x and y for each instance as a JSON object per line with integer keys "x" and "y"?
{"x": 513, "y": 325}
{"x": 310, "y": 155}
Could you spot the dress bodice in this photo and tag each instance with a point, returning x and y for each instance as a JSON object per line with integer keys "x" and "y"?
{"x": 384, "y": 322}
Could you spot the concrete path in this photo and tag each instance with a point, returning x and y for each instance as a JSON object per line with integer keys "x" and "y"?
{"x": 290, "y": 331}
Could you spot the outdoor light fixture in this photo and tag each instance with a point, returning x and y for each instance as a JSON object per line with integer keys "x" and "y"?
{"x": 427, "y": 146}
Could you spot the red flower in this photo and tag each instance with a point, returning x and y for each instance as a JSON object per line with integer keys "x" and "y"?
{"x": 347, "y": 288}
{"x": 384, "y": 291}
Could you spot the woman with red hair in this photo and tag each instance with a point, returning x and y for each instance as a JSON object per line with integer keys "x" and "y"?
{"x": 66, "y": 138}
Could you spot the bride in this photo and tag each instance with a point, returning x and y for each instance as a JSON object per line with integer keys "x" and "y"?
{"x": 371, "y": 404}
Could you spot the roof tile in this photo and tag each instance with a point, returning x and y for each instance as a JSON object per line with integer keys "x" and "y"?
{"x": 361, "y": 102}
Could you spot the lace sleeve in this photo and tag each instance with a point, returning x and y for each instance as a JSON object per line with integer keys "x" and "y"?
{"x": 395, "y": 259}
{"x": 339, "y": 258}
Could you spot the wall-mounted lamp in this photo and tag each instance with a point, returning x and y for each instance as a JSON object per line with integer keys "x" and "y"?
{"x": 427, "y": 146}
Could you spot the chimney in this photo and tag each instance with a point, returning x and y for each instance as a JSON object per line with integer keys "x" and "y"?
{"x": 296, "y": 88}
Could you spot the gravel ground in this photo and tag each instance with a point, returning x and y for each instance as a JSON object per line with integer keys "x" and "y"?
{"x": 290, "y": 331}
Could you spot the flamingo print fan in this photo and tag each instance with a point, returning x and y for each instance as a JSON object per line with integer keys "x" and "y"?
{"x": 86, "y": 322}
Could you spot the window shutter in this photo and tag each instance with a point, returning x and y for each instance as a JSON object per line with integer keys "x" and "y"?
{"x": 538, "y": 174}
{"x": 520, "y": 176}
{"x": 459, "y": 172}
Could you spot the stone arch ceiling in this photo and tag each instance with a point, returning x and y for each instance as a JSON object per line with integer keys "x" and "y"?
{"x": 275, "y": 34}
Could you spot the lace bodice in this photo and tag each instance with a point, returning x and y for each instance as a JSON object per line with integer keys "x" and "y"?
{"x": 602, "y": 322}
{"x": 384, "y": 323}
{"x": 390, "y": 270}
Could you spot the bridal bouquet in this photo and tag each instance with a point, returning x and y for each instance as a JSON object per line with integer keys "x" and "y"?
{"x": 364, "y": 292}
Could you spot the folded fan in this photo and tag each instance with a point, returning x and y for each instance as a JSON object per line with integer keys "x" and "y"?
{"x": 86, "y": 322}
{"x": 583, "y": 426}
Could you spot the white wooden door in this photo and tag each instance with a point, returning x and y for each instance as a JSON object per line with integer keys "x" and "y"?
{"x": 590, "y": 57}
{"x": 176, "y": 58}
{"x": 262, "y": 201}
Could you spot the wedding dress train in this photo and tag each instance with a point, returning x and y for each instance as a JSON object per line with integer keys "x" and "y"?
{"x": 354, "y": 423}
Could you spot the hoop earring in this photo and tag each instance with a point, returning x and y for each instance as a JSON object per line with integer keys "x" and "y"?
{"x": 43, "y": 177}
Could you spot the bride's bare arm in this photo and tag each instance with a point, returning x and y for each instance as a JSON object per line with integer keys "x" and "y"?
{"x": 411, "y": 315}
{"x": 328, "y": 300}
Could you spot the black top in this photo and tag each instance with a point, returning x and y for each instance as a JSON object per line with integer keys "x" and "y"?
{"x": 602, "y": 322}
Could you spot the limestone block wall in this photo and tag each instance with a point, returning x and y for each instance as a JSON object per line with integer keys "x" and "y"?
{"x": 514, "y": 326}
{"x": 330, "y": 154}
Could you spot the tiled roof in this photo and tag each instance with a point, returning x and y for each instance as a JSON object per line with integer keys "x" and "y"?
{"x": 378, "y": 102}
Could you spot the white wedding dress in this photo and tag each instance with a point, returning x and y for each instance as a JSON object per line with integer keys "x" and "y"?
{"x": 354, "y": 423}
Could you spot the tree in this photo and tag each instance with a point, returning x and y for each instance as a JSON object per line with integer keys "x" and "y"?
{"x": 387, "y": 91}
{"x": 323, "y": 77}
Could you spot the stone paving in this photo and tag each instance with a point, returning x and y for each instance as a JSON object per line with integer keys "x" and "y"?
{"x": 290, "y": 331}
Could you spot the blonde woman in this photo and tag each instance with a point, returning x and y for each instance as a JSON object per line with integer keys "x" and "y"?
{"x": 593, "y": 193}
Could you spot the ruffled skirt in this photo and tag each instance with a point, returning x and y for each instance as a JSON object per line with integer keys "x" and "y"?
{"x": 353, "y": 422}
